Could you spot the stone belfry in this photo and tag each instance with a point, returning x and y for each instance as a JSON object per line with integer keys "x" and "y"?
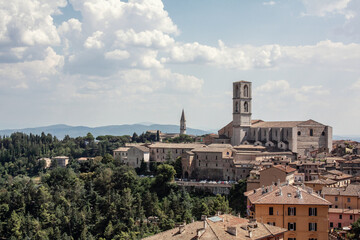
{"x": 241, "y": 111}
{"x": 183, "y": 123}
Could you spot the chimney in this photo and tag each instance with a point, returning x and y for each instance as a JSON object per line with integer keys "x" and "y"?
{"x": 200, "y": 232}
{"x": 181, "y": 229}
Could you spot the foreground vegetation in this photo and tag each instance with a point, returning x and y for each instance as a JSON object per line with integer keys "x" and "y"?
{"x": 96, "y": 199}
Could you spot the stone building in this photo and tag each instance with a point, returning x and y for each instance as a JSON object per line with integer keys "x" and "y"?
{"x": 300, "y": 137}
{"x": 61, "y": 161}
{"x": 136, "y": 155}
{"x": 159, "y": 152}
{"x": 121, "y": 154}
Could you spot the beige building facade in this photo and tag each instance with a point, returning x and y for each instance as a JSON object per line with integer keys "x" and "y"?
{"x": 301, "y": 137}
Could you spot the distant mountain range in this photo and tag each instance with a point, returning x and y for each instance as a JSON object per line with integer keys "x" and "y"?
{"x": 351, "y": 137}
{"x": 60, "y": 130}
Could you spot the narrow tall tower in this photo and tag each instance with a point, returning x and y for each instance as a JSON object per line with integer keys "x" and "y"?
{"x": 182, "y": 123}
{"x": 241, "y": 111}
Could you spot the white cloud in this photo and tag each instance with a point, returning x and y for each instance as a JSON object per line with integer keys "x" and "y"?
{"x": 27, "y": 73}
{"x": 356, "y": 85}
{"x": 117, "y": 54}
{"x": 152, "y": 38}
{"x": 29, "y": 23}
{"x": 284, "y": 90}
{"x": 94, "y": 41}
{"x": 269, "y": 3}
{"x": 323, "y": 7}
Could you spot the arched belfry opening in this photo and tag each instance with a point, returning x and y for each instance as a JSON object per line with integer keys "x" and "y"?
{"x": 236, "y": 107}
{"x": 246, "y": 107}
{"x": 246, "y": 91}
{"x": 237, "y": 91}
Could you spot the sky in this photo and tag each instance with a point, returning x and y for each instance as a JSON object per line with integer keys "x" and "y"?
{"x": 111, "y": 62}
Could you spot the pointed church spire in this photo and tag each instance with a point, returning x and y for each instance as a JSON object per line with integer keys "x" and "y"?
{"x": 183, "y": 123}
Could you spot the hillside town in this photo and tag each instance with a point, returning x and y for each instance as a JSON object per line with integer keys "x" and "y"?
{"x": 297, "y": 177}
{"x": 300, "y": 183}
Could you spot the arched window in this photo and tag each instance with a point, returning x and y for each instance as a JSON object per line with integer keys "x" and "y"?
{"x": 246, "y": 107}
{"x": 299, "y": 133}
{"x": 311, "y": 132}
{"x": 237, "y": 91}
{"x": 246, "y": 91}
{"x": 323, "y": 133}
{"x": 236, "y": 107}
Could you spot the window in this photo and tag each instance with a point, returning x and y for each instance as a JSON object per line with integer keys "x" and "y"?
{"x": 312, "y": 211}
{"x": 291, "y": 238}
{"x": 336, "y": 206}
{"x": 236, "y": 107}
{"x": 348, "y": 199}
{"x": 351, "y": 217}
{"x": 271, "y": 223}
{"x": 339, "y": 225}
{"x": 323, "y": 133}
{"x": 336, "y": 198}
{"x": 292, "y": 226}
{"x": 312, "y": 238}
{"x": 340, "y": 216}
{"x": 311, "y": 132}
{"x": 271, "y": 211}
{"x": 312, "y": 226}
{"x": 291, "y": 211}
{"x": 299, "y": 133}
{"x": 331, "y": 224}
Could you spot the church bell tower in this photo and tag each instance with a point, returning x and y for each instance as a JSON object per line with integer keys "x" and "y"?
{"x": 241, "y": 111}
{"x": 183, "y": 123}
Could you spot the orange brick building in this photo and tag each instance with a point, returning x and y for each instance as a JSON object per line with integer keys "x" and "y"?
{"x": 302, "y": 212}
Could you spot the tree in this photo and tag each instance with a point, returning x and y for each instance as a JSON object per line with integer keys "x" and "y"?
{"x": 237, "y": 199}
{"x": 355, "y": 230}
{"x": 178, "y": 167}
{"x": 107, "y": 158}
{"x": 89, "y": 137}
{"x": 135, "y": 137}
{"x": 165, "y": 173}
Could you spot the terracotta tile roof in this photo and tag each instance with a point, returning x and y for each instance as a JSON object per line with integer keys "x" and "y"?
{"x": 122, "y": 149}
{"x": 286, "y": 169}
{"x": 276, "y": 124}
{"x": 351, "y": 190}
{"x": 143, "y": 148}
{"x": 212, "y": 149}
{"x": 217, "y": 228}
{"x": 219, "y": 145}
{"x": 288, "y": 196}
{"x": 176, "y": 145}
{"x": 344, "y": 211}
{"x": 284, "y": 124}
{"x": 322, "y": 181}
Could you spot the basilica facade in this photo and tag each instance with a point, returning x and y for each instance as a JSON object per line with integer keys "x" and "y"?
{"x": 300, "y": 137}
